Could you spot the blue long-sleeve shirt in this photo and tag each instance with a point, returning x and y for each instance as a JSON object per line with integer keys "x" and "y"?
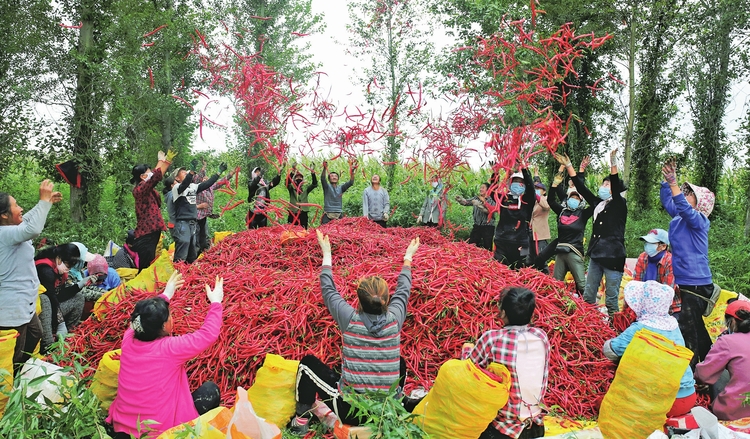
{"x": 688, "y": 236}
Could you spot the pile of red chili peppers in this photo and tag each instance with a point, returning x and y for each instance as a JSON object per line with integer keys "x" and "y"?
{"x": 272, "y": 304}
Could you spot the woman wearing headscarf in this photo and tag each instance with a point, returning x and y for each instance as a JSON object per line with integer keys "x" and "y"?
{"x": 19, "y": 284}
{"x": 651, "y": 301}
{"x": 689, "y": 206}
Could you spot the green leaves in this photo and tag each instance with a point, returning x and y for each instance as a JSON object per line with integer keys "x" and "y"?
{"x": 384, "y": 414}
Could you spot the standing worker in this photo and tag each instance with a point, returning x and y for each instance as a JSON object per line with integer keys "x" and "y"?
{"x": 607, "y": 246}
{"x": 149, "y": 222}
{"x": 689, "y": 206}
{"x": 514, "y": 214}
{"x": 258, "y": 196}
{"x": 184, "y": 195}
{"x": 484, "y": 222}
{"x": 572, "y": 216}
{"x": 333, "y": 203}
{"x": 19, "y": 284}
{"x": 298, "y": 194}
{"x": 433, "y": 208}
{"x": 539, "y": 232}
{"x": 376, "y": 204}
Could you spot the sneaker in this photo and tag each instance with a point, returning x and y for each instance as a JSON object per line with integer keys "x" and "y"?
{"x": 299, "y": 425}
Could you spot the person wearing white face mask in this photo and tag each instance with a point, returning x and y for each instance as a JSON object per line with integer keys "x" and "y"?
{"x": 607, "y": 245}
{"x": 62, "y": 302}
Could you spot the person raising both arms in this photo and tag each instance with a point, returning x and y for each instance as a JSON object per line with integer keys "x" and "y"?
{"x": 515, "y": 208}
{"x": 607, "y": 245}
{"x": 299, "y": 194}
{"x": 150, "y": 351}
{"x": 333, "y": 193}
{"x": 572, "y": 216}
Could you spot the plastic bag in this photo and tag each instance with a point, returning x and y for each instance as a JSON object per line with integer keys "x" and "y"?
{"x": 52, "y": 380}
{"x": 644, "y": 388}
{"x": 272, "y": 393}
{"x": 245, "y": 424}
{"x": 147, "y": 280}
{"x": 104, "y": 383}
{"x": 126, "y": 274}
{"x": 463, "y": 400}
{"x": 554, "y": 426}
{"x": 715, "y": 323}
{"x": 7, "y": 349}
{"x": 210, "y": 425}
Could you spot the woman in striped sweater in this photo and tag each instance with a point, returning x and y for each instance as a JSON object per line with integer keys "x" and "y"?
{"x": 371, "y": 354}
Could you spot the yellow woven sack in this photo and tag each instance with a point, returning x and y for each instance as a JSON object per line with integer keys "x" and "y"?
{"x": 159, "y": 271}
{"x": 126, "y": 274}
{"x": 7, "y": 349}
{"x": 104, "y": 383}
{"x": 218, "y": 236}
{"x": 463, "y": 400}
{"x": 210, "y": 425}
{"x": 554, "y": 426}
{"x": 715, "y": 323}
{"x": 644, "y": 388}
{"x": 41, "y": 291}
{"x": 272, "y": 393}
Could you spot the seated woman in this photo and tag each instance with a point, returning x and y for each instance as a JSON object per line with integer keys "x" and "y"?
{"x": 62, "y": 303}
{"x": 731, "y": 352}
{"x": 106, "y": 276}
{"x": 149, "y": 350}
{"x": 651, "y": 301}
{"x": 371, "y": 334}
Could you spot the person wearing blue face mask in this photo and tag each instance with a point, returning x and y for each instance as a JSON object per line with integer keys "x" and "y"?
{"x": 607, "y": 245}
{"x": 514, "y": 215}
{"x": 572, "y": 216}
{"x": 655, "y": 263}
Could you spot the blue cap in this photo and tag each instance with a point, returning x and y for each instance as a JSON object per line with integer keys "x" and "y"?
{"x": 656, "y": 236}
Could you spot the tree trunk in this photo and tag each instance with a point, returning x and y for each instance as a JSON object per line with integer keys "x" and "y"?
{"x": 628, "y": 153}
{"x": 84, "y": 114}
{"x": 392, "y": 142}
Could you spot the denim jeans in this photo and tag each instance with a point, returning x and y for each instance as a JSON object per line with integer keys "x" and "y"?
{"x": 594, "y": 278}
{"x": 185, "y": 235}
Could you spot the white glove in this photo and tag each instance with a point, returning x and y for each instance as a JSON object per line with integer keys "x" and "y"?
{"x": 175, "y": 281}
{"x": 325, "y": 247}
{"x": 217, "y": 295}
{"x": 161, "y": 156}
{"x": 86, "y": 281}
{"x": 419, "y": 219}
{"x": 386, "y": 216}
{"x": 413, "y": 246}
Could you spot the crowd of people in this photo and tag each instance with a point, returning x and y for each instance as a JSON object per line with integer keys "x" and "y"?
{"x": 671, "y": 292}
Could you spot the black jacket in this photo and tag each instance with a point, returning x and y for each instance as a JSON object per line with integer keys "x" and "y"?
{"x": 607, "y": 245}
{"x": 571, "y": 224}
{"x": 514, "y": 213}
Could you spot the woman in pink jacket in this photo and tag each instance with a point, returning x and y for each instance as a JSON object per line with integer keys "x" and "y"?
{"x": 153, "y": 393}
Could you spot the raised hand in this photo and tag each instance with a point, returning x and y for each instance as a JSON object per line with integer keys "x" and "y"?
{"x": 46, "y": 193}
{"x": 584, "y": 163}
{"x": 217, "y": 294}
{"x": 411, "y": 249}
{"x": 175, "y": 281}
{"x": 669, "y": 171}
